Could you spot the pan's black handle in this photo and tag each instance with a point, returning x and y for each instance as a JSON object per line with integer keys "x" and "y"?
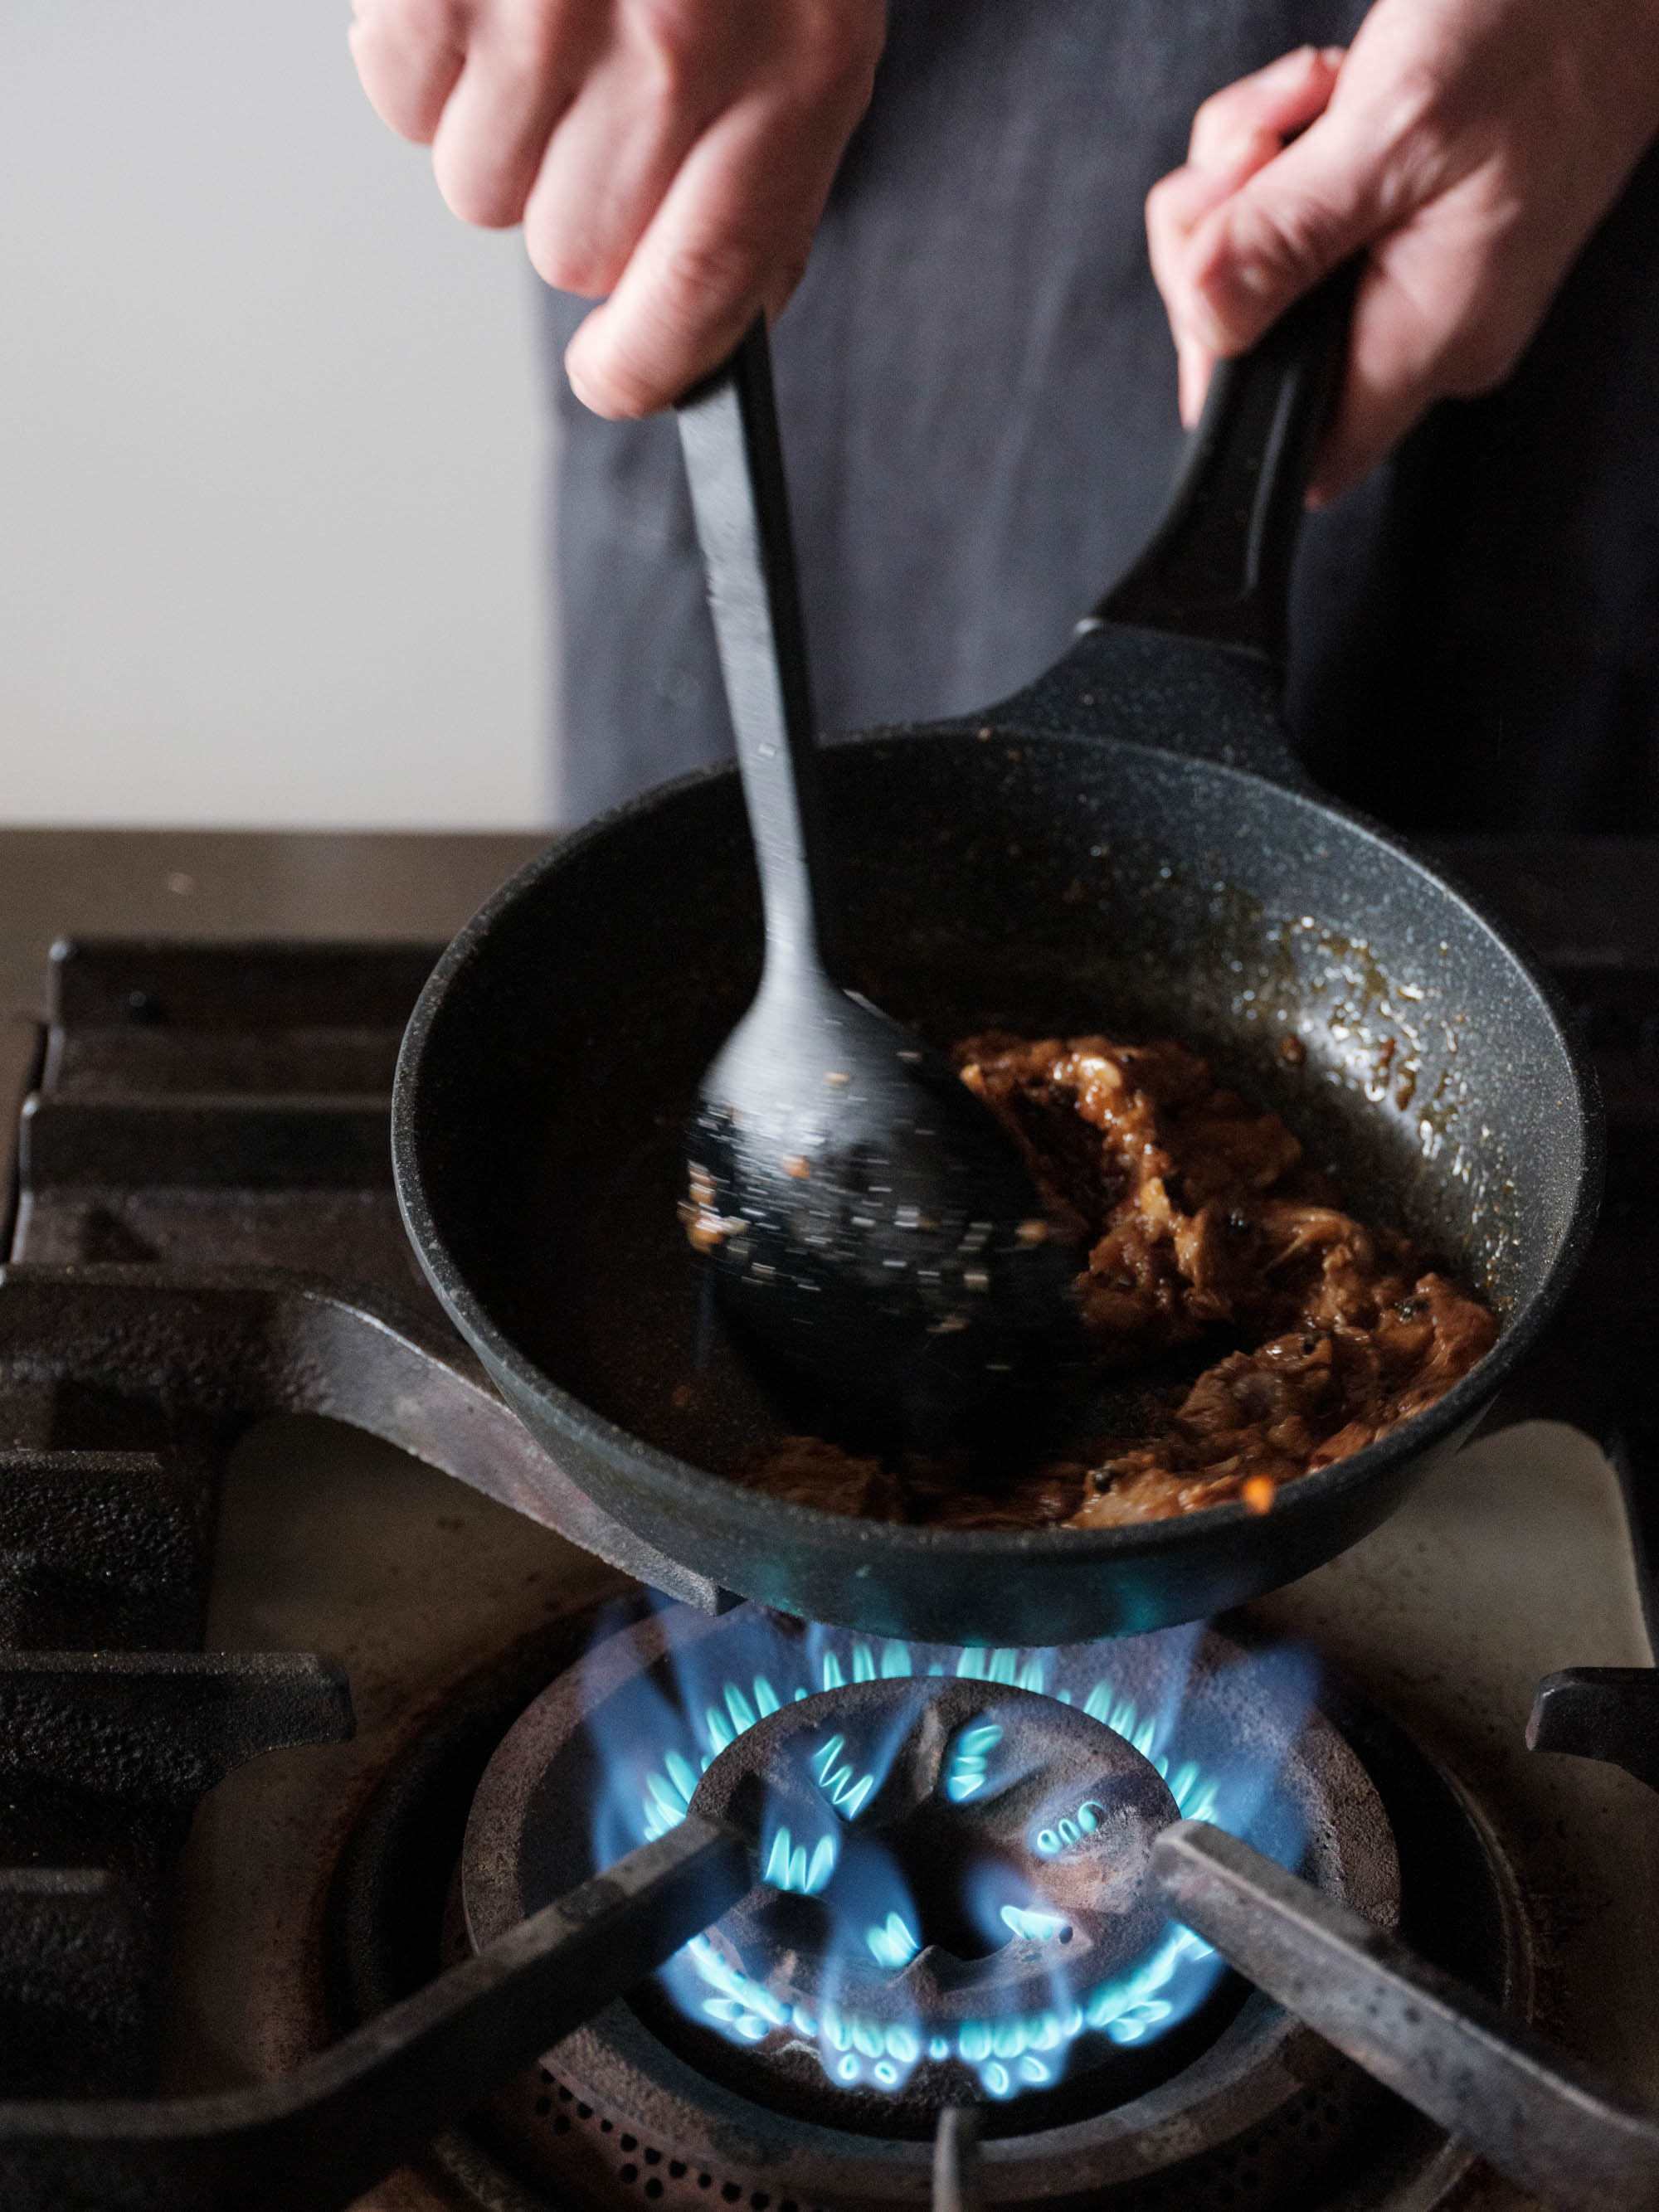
{"x": 1219, "y": 566}
{"x": 1601, "y": 1712}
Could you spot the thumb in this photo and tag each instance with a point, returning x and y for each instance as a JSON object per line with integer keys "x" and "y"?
{"x": 1326, "y": 196}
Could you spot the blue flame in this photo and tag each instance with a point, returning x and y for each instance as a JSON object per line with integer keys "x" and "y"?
{"x": 787, "y": 1867}
{"x": 848, "y": 1795}
{"x": 1040, "y": 1927}
{"x": 970, "y": 1754}
{"x": 892, "y": 1944}
{"x": 656, "y": 1745}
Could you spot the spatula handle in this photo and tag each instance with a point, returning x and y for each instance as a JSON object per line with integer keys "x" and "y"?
{"x": 734, "y": 464}
{"x": 1219, "y": 566}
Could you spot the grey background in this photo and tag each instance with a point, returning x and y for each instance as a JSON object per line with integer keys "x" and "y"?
{"x": 272, "y": 449}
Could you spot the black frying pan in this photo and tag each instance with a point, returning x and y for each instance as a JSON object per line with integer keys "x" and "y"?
{"x": 1125, "y": 846}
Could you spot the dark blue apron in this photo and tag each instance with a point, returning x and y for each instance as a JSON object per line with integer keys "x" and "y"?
{"x": 977, "y": 392}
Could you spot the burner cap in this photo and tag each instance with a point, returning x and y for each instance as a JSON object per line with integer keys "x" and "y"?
{"x": 1019, "y": 1828}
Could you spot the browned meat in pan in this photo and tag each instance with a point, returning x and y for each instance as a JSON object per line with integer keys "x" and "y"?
{"x": 1201, "y": 1219}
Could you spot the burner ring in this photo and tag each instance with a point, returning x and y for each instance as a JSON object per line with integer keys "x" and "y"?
{"x": 984, "y": 1788}
{"x": 1262, "y": 2090}
{"x": 976, "y": 1776}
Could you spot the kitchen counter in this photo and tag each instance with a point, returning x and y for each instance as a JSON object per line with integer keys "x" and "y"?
{"x": 223, "y": 885}
{"x": 1579, "y": 901}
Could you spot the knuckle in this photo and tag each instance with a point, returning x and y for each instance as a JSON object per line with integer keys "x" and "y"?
{"x": 477, "y": 193}
{"x": 1163, "y": 240}
{"x": 673, "y": 41}
{"x": 407, "y": 52}
{"x": 527, "y": 36}
{"x": 1166, "y": 208}
{"x": 837, "y": 41}
{"x": 568, "y": 264}
{"x": 1481, "y": 355}
{"x": 527, "y": 30}
{"x": 699, "y": 272}
{"x": 1295, "y": 239}
{"x": 410, "y": 22}
{"x": 1407, "y": 125}
{"x": 1210, "y": 117}
{"x": 1415, "y": 94}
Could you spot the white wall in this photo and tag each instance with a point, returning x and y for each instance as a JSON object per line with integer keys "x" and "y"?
{"x": 271, "y": 456}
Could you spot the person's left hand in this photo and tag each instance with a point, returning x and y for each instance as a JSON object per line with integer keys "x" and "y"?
{"x": 1468, "y": 146}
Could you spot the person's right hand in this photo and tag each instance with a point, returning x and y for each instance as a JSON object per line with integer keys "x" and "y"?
{"x": 1467, "y": 148}
{"x": 674, "y": 155}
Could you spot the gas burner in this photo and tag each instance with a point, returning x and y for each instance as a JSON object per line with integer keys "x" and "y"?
{"x": 993, "y": 1846}
{"x": 673, "y": 2092}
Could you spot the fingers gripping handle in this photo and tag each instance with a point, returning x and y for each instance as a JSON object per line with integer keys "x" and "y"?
{"x": 1219, "y": 565}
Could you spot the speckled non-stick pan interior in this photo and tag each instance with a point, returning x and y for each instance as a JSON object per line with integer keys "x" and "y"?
{"x": 1028, "y": 878}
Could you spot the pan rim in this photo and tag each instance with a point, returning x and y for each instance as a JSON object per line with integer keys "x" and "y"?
{"x": 673, "y": 1484}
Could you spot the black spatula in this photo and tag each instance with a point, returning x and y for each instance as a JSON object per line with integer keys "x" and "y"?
{"x": 871, "y": 1226}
